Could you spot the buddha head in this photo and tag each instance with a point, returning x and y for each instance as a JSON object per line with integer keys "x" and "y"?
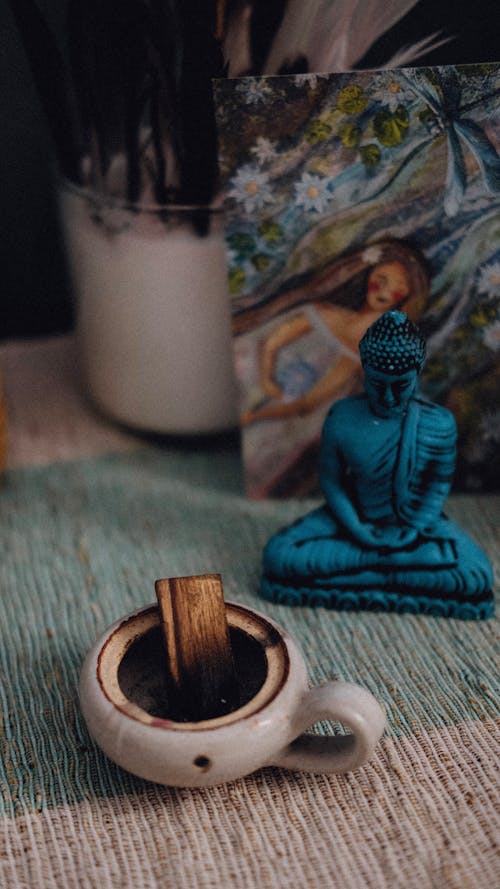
{"x": 392, "y": 354}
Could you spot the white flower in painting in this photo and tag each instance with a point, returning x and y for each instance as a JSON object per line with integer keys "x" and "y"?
{"x": 253, "y": 90}
{"x": 312, "y": 193}
{"x": 491, "y": 336}
{"x": 489, "y": 279}
{"x": 391, "y": 92}
{"x": 251, "y": 188}
{"x": 263, "y": 149}
{"x": 371, "y": 255}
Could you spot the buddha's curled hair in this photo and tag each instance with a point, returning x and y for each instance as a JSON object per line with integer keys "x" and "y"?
{"x": 393, "y": 344}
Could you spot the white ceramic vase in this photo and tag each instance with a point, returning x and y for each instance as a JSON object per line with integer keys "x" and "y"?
{"x": 152, "y": 312}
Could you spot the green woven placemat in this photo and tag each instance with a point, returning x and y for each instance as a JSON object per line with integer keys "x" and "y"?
{"x": 82, "y": 544}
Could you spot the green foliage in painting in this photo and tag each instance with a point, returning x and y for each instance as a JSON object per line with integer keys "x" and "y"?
{"x": 349, "y": 134}
{"x": 261, "y": 261}
{"x": 352, "y": 100}
{"x": 370, "y": 155}
{"x": 391, "y": 128}
{"x": 427, "y": 117}
{"x": 483, "y": 314}
{"x": 318, "y": 131}
{"x": 272, "y": 232}
{"x": 242, "y": 243}
{"x": 236, "y": 280}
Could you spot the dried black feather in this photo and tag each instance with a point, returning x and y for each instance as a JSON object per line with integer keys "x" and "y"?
{"x": 146, "y": 66}
{"x": 135, "y": 80}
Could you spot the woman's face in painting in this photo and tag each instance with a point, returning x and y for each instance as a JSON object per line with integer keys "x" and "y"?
{"x": 387, "y": 286}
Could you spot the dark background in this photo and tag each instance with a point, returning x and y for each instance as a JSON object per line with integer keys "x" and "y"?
{"x": 34, "y": 282}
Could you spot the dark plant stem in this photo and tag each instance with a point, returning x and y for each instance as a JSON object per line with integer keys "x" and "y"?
{"x": 133, "y": 67}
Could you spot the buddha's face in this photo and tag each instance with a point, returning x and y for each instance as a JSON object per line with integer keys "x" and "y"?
{"x": 387, "y": 287}
{"x": 389, "y": 394}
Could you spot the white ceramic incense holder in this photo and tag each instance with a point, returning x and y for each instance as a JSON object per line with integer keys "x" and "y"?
{"x": 124, "y": 701}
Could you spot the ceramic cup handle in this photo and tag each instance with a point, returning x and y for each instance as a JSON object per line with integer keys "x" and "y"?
{"x": 341, "y": 702}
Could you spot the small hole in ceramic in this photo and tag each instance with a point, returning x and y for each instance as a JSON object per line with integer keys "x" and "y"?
{"x": 203, "y": 763}
{"x": 143, "y": 670}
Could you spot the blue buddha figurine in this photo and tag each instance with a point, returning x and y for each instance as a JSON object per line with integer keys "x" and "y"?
{"x": 381, "y": 541}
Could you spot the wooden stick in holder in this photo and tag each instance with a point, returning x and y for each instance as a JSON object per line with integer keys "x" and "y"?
{"x": 202, "y": 681}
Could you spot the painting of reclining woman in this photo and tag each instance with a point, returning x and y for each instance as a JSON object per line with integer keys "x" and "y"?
{"x": 298, "y": 353}
{"x": 345, "y": 195}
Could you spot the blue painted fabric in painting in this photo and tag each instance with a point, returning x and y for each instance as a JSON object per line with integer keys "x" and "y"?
{"x": 296, "y": 378}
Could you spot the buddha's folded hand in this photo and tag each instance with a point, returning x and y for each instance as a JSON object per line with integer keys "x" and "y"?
{"x": 384, "y": 536}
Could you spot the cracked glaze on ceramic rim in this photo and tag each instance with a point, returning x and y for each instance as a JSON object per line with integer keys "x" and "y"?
{"x": 132, "y": 628}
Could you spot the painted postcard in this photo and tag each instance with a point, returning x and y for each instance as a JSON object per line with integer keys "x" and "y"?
{"x": 346, "y": 195}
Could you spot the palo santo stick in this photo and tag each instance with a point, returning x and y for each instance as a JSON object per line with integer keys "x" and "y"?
{"x": 202, "y": 680}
